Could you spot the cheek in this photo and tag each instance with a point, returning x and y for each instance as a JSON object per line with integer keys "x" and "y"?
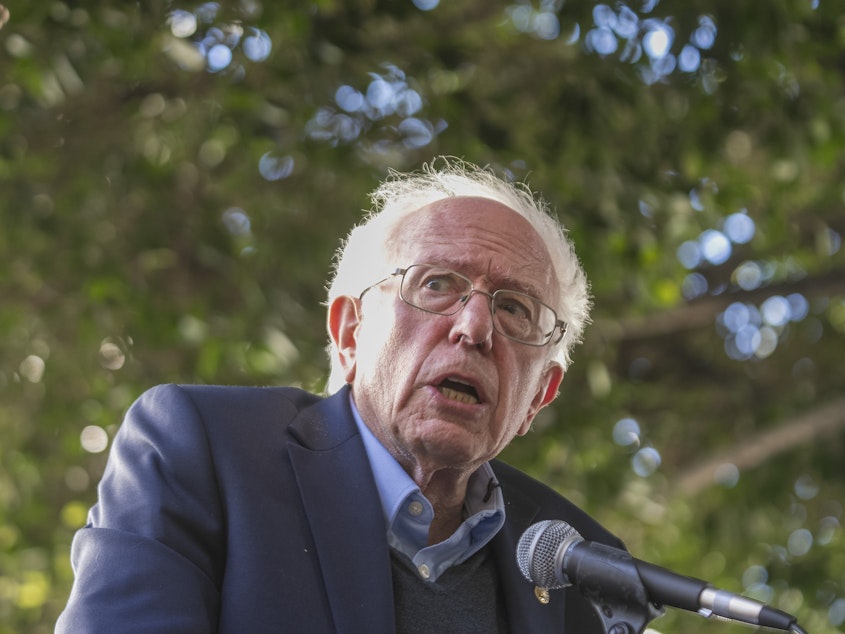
{"x": 520, "y": 381}
{"x": 381, "y": 349}
{"x": 372, "y": 347}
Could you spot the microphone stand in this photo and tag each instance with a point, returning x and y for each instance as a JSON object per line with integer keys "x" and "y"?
{"x": 624, "y": 606}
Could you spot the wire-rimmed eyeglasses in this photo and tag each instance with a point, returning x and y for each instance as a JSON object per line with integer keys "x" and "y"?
{"x": 441, "y": 291}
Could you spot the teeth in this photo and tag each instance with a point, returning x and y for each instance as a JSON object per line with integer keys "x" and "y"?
{"x": 455, "y": 395}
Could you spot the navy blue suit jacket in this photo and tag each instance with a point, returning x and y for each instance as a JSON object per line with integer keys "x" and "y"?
{"x": 227, "y": 509}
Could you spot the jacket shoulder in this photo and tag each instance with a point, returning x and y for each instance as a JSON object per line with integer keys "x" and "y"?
{"x": 215, "y": 394}
{"x": 219, "y": 402}
{"x": 522, "y": 490}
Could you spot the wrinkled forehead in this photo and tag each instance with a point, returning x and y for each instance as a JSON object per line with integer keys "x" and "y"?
{"x": 481, "y": 238}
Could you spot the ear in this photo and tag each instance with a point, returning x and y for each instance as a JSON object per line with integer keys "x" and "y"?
{"x": 546, "y": 393}
{"x": 343, "y": 321}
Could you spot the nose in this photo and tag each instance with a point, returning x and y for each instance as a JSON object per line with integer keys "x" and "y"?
{"x": 473, "y": 323}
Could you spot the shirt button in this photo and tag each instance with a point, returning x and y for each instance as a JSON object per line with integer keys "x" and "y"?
{"x": 424, "y": 571}
{"x": 415, "y": 508}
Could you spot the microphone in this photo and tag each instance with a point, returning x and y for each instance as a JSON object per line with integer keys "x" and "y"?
{"x": 551, "y": 554}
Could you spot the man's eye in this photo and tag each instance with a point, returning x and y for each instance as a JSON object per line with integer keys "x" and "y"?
{"x": 440, "y": 284}
{"x": 514, "y": 308}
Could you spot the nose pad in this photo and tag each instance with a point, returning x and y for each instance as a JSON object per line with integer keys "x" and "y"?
{"x": 474, "y": 322}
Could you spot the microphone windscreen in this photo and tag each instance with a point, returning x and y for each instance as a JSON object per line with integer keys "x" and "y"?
{"x": 536, "y": 552}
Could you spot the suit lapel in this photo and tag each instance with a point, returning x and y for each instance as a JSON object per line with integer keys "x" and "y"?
{"x": 345, "y": 515}
{"x": 525, "y": 612}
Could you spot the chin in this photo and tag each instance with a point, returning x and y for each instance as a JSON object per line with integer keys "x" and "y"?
{"x": 451, "y": 449}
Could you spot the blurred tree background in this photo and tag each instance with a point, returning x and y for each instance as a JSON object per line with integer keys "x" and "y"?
{"x": 175, "y": 177}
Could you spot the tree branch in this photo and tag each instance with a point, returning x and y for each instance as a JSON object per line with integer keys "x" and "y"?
{"x": 753, "y": 451}
{"x": 703, "y": 311}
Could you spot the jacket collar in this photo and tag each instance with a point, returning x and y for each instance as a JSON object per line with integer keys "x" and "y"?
{"x": 525, "y": 611}
{"x": 343, "y": 509}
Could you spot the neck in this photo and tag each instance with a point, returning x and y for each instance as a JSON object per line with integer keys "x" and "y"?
{"x": 446, "y": 490}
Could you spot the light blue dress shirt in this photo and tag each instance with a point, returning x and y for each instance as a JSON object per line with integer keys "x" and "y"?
{"x": 408, "y": 514}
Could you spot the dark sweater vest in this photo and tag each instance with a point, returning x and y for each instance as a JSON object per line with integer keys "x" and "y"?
{"x": 464, "y": 600}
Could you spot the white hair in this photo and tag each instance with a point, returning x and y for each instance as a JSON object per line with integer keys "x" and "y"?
{"x": 364, "y": 257}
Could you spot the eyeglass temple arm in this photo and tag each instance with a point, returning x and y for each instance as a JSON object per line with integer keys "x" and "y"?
{"x": 559, "y": 325}
{"x": 398, "y": 271}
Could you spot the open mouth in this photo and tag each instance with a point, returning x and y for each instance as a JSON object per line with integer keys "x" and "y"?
{"x": 458, "y": 391}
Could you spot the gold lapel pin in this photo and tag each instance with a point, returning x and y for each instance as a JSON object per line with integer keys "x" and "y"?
{"x": 542, "y": 595}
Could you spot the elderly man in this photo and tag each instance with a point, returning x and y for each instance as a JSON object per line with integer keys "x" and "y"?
{"x": 452, "y": 314}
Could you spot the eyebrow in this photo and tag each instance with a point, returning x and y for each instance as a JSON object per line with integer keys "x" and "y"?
{"x": 512, "y": 284}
